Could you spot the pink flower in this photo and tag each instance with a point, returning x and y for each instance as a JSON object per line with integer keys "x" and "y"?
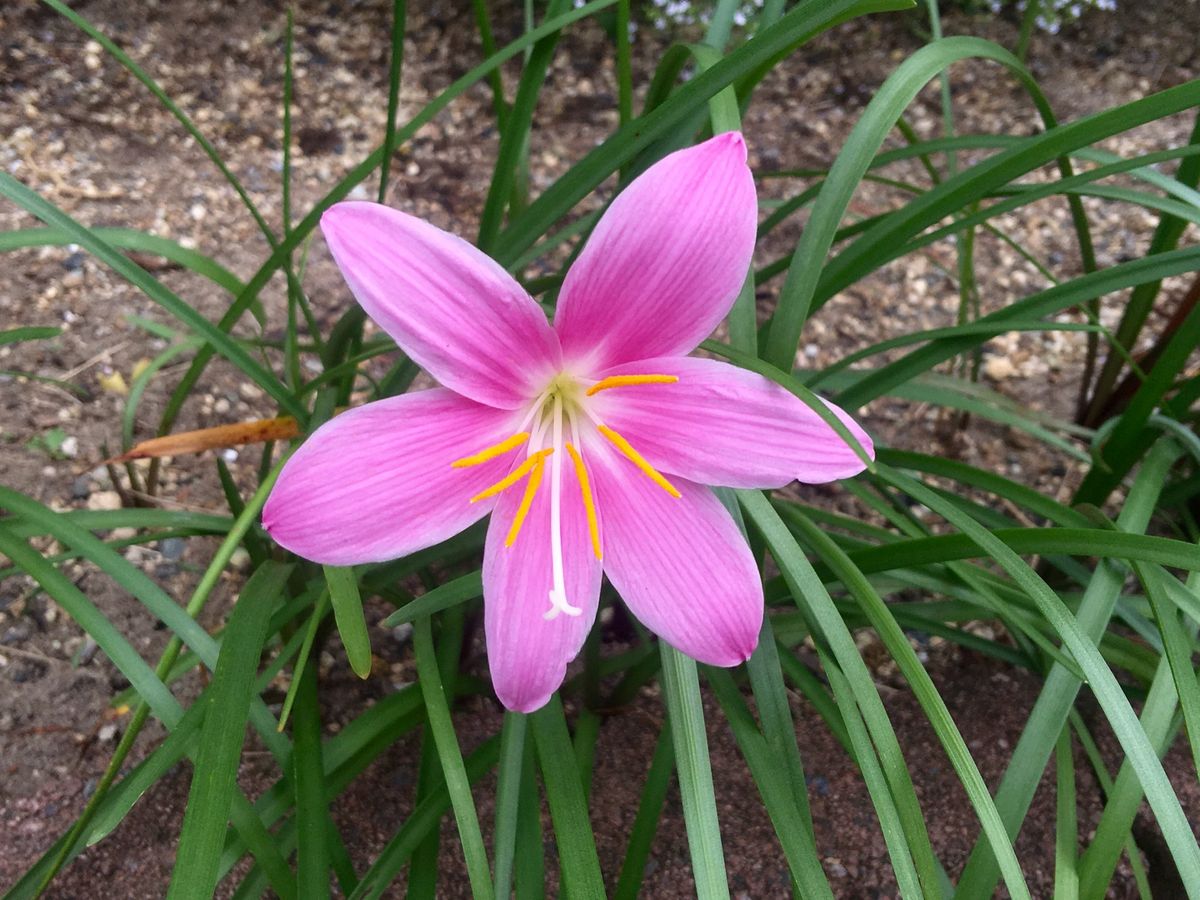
{"x": 589, "y": 442}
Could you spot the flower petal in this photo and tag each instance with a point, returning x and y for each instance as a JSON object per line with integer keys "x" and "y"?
{"x": 375, "y": 483}
{"x": 681, "y": 564}
{"x": 456, "y": 312}
{"x": 527, "y": 652}
{"x": 666, "y": 260}
{"x": 720, "y": 424}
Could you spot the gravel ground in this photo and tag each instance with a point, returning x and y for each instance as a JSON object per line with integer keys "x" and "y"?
{"x": 84, "y": 133}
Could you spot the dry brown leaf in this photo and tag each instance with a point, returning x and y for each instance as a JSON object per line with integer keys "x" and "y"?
{"x": 282, "y": 428}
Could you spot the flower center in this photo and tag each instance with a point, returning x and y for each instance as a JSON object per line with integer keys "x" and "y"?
{"x": 552, "y": 428}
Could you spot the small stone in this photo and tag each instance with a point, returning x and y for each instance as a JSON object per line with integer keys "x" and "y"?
{"x": 221, "y": 406}
{"x": 69, "y": 447}
{"x": 15, "y": 635}
{"x": 240, "y": 559}
{"x": 104, "y": 500}
{"x": 172, "y": 548}
{"x": 106, "y": 733}
{"x": 81, "y": 487}
{"x": 249, "y": 391}
{"x": 998, "y": 368}
{"x": 87, "y": 652}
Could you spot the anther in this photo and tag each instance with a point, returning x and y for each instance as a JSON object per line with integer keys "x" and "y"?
{"x": 638, "y": 460}
{"x": 589, "y": 504}
{"x": 531, "y": 489}
{"x": 614, "y": 381}
{"x": 516, "y": 475}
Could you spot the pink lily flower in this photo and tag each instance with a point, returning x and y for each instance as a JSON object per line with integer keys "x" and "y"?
{"x": 589, "y": 441}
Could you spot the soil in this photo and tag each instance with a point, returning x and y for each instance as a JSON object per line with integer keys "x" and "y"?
{"x": 81, "y": 131}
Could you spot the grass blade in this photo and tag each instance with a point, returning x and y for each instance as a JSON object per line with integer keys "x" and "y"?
{"x": 685, "y": 710}
{"x": 215, "y": 777}
{"x": 457, "y": 783}
{"x": 568, "y": 807}
{"x": 348, "y": 613}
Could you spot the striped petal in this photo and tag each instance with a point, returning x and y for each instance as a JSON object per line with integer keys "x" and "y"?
{"x": 680, "y": 563}
{"x": 719, "y": 424}
{"x": 528, "y": 652}
{"x": 376, "y": 483}
{"x": 456, "y": 312}
{"x": 665, "y": 262}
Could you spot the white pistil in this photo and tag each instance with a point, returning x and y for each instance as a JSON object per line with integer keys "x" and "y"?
{"x": 558, "y": 593}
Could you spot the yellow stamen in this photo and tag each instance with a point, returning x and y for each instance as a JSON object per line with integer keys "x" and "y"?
{"x": 613, "y": 381}
{"x": 585, "y": 488}
{"x": 517, "y": 474}
{"x": 531, "y": 488}
{"x": 492, "y": 452}
{"x": 638, "y": 460}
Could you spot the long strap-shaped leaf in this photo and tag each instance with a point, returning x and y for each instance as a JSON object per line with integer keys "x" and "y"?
{"x": 806, "y": 20}
{"x": 1138, "y": 749}
{"x": 568, "y": 806}
{"x": 808, "y": 590}
{"x": 686, "y": 712}
{"x": 215, "y": 777}
{"x": 887, "y": 239}
{"x": 1049, "y": 714}
{"x": 864, "y": 142}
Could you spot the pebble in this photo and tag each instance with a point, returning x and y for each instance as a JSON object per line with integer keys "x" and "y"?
{"x": 249, "y": 391}
{"x": 107, "y": 733}
{"x": 172, "y": 548}
{"x": 240, "y": 559}
{"x": 81, "y": 487}
{"x": 15, "y": 635}
{"x": 998, "y": 368}
{"x": 87, "y": 652}
{"x": 104, "y": 500}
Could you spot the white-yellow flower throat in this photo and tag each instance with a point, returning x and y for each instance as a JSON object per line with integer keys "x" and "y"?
{"x": 554, "y": 422}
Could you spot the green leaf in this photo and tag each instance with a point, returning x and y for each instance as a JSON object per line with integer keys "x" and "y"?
{"x": 877, "y": 121}
{"x": 685, "y": 711}
{"x": 568, "y": 807}
{"x": 451, "y": 758}
{"x": 1138, "y": 749}
{"x": 348, "y": 613}
{"x": 508, "y": 795}
{"x": 28, "y": 333}
{"x": 215, "y": 777}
